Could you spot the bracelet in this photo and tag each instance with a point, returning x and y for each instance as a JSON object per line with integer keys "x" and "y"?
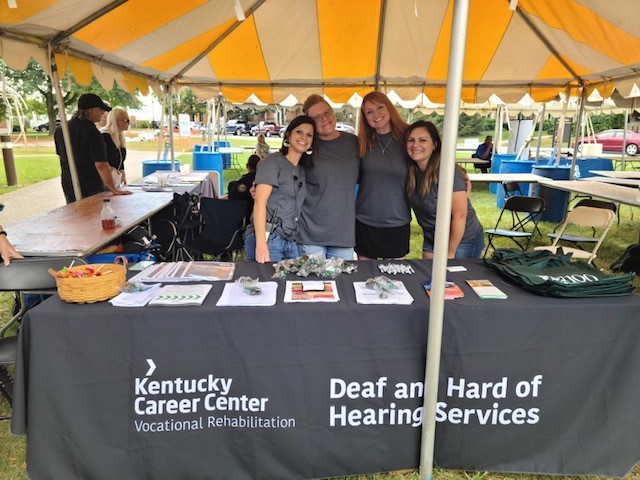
{"x": 2, "y": 232}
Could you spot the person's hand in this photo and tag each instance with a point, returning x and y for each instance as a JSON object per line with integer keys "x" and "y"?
{"x": 121, "y": 192}
{"x": 7, "y": 251}
{"x": 123, "y": 178}
{"x": 262, "y": 253}
{"x": 252, "y": 191}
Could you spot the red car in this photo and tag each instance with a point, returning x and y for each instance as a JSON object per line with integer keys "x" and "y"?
{"x": 612, "y": 141}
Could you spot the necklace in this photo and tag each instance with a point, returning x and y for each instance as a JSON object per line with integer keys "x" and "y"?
{"x": 384, "y": 147}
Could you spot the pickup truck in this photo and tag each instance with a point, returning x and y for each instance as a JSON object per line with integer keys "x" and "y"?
{"x": 269, "y": 129}
{"x": 237, "y": 127}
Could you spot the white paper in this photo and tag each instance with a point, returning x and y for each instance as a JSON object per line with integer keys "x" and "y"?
{"x": 368, "y": 296}
{"x": 233, "y": 296}
{"x": 311, "y": 285}
{"x": 135, "y": 299}
{"x": 456, "y": 268}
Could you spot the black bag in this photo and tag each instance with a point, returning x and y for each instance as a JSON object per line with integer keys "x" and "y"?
{"x": 629, "y": 261}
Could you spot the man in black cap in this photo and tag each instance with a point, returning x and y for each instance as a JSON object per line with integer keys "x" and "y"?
{"x": 94, "y": 174}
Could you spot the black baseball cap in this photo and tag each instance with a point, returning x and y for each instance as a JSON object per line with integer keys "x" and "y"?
{"x": 91, "y": 100}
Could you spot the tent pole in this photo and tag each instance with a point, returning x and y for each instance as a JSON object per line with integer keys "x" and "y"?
{"x": 443, "y": 223}
{"x": 557, "y": 145}
{"x": 171, "y": 147}
{"x": 163, "y": 118}
{"x": 497, "y": 130}
{"x": 540, "y": 127}
{"x": 574, "y": 158}
{"x": 65, "y": 127}
{"x": 624, "y": 135}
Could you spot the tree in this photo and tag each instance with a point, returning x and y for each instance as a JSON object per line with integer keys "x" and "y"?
{"x": 36, "y": 86}
{"x": 190, "y": 104}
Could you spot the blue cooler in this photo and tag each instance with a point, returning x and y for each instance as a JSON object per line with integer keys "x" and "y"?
{"x": 496, "y": 161}
{"x": 555, "y": 200}
{"x": 150, "y": 166}
{"x": 512, "y": 166}
{"x": 586, "y": 164}
{"x": 226, "y": 157}
{"x": 207, "y": 160}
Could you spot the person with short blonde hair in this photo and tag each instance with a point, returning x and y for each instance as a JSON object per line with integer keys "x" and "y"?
{"x": 113, "y": 134}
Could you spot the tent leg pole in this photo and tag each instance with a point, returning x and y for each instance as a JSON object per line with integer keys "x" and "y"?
{"x": 443, "y": 223}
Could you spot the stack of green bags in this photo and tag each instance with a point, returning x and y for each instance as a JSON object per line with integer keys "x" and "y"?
{"x": 555, "y": 275}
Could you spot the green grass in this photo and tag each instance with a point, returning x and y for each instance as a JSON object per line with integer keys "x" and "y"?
{"x": 35, "y": 166}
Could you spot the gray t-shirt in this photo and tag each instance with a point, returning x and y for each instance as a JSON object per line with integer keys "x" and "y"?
{"x": 382, "y": 201}
{"x": 329, "y": 209}
{"x": 425, "y": 210}
{"x": 289, "y": 190}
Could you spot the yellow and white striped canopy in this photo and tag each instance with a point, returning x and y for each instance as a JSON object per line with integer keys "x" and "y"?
{"x": 335, "y": 47}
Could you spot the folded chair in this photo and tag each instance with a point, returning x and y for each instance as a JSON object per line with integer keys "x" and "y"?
{"x": 24, "y": 277}
{"x": 511, "y": 188}
{"x": 518, "y": 221}
{"x": 184, "y": 226}
{"x": 599, "y": 218}
{"x": 575, "y": 239}
{"x": 221, "y": 234}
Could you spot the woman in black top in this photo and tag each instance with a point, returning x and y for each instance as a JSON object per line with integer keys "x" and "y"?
{"x": 114, "y": 140}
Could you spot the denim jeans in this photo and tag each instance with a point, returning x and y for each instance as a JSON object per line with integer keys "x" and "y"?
{"x": 346, "y": 253}
{"x": 279, "y": 248}
{"x": 471, "y": 249}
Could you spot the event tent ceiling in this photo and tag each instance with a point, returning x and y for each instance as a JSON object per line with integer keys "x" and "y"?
{"x": 335, "y": 47}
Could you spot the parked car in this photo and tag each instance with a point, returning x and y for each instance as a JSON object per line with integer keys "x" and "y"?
{"x": 268, "y": 128}
{"x": 612, "y": 140}
{"x": 282, "y": 131}
{"x": 44, "y": 127}
{"x": 237, "y": 127}
{"x": 345, "y": 127}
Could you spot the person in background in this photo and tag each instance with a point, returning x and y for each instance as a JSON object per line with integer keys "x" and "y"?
{"x": 262, "y": 147}
{"x": 6, "y": 249}
{"x": 280, "y": 191}
{"x": 327, "y": 223}
{"x": 484, "y": 152}
{"x": 466, "y": 235}
{"x": 94, "y": 173}
{"x": 383, "y": 218}
{"x": 100, "y": 124}
{"x": 113, "y": 134}
{"x": 241, "y": 189}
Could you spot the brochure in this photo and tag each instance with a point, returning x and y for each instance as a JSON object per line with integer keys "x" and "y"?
{"x": 369, "y": 296}
{"x": 451, "y": 290}
{"x": 186, "y": 272}
{"x": 312, "y": 291}
{"x": 486, "y": 289}
{"x": 181, "y": 295}
{"x": 234, "y": 296}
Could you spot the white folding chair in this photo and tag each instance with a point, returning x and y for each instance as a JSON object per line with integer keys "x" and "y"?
{"x": 598, "y": 218}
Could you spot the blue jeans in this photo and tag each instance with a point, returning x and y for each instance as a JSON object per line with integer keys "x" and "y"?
{"x": 346, "y": 253}
{"x": 279, "y": 248}
{"x": 471, "y": 249}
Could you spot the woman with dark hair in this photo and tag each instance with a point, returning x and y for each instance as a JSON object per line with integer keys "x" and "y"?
{"x": 280, "y": 192}
{"x": 466, "y": 237}
{"x": 383, "y": 218}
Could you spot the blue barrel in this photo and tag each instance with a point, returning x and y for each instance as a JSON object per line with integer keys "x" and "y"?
{"x": 555, "y": 200}
{"x": 512, "y": 166}
{"x": 202, "y": 148}
{"x": 150, "y": 166}
{"x": 209, "y": 161}
{"x": 226, "y": 157}
{"x": 496, "y": 161}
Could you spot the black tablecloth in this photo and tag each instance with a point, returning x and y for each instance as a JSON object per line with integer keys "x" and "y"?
{"x": 527, "y": 384}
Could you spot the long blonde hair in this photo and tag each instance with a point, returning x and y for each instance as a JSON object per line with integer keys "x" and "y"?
{"x": 367, "y": 134}
{"x": 112, "y": 126}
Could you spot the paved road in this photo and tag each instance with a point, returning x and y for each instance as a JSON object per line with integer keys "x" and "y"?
{"x": 42, "y": 196}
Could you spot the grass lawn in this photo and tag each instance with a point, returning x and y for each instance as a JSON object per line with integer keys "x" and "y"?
{"x": 40, "y": 164}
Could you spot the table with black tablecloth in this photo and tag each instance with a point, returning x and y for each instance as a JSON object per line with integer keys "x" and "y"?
{"x": 527, "y": 384}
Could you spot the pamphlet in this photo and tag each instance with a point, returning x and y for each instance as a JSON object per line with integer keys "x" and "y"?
{"x": 233, "y": 296}
{"x": 181, "y": 295}
{"x": 486, "y": 289}
{"x": 186, "y": 272}
{"x": 296, "y": 292}
{"x": 451, "y": 290}
{"x": 369, "y": 296}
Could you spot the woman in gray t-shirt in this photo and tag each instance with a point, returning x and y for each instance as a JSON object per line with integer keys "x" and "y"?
{"x": 466, "y": 237}
{"x": 280, "y": 192}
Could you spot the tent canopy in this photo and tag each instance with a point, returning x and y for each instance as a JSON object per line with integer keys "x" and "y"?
{"x": 333, "y": 47}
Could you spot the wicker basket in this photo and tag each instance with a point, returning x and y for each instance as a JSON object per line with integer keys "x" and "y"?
{"x": 94, "y": 289}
